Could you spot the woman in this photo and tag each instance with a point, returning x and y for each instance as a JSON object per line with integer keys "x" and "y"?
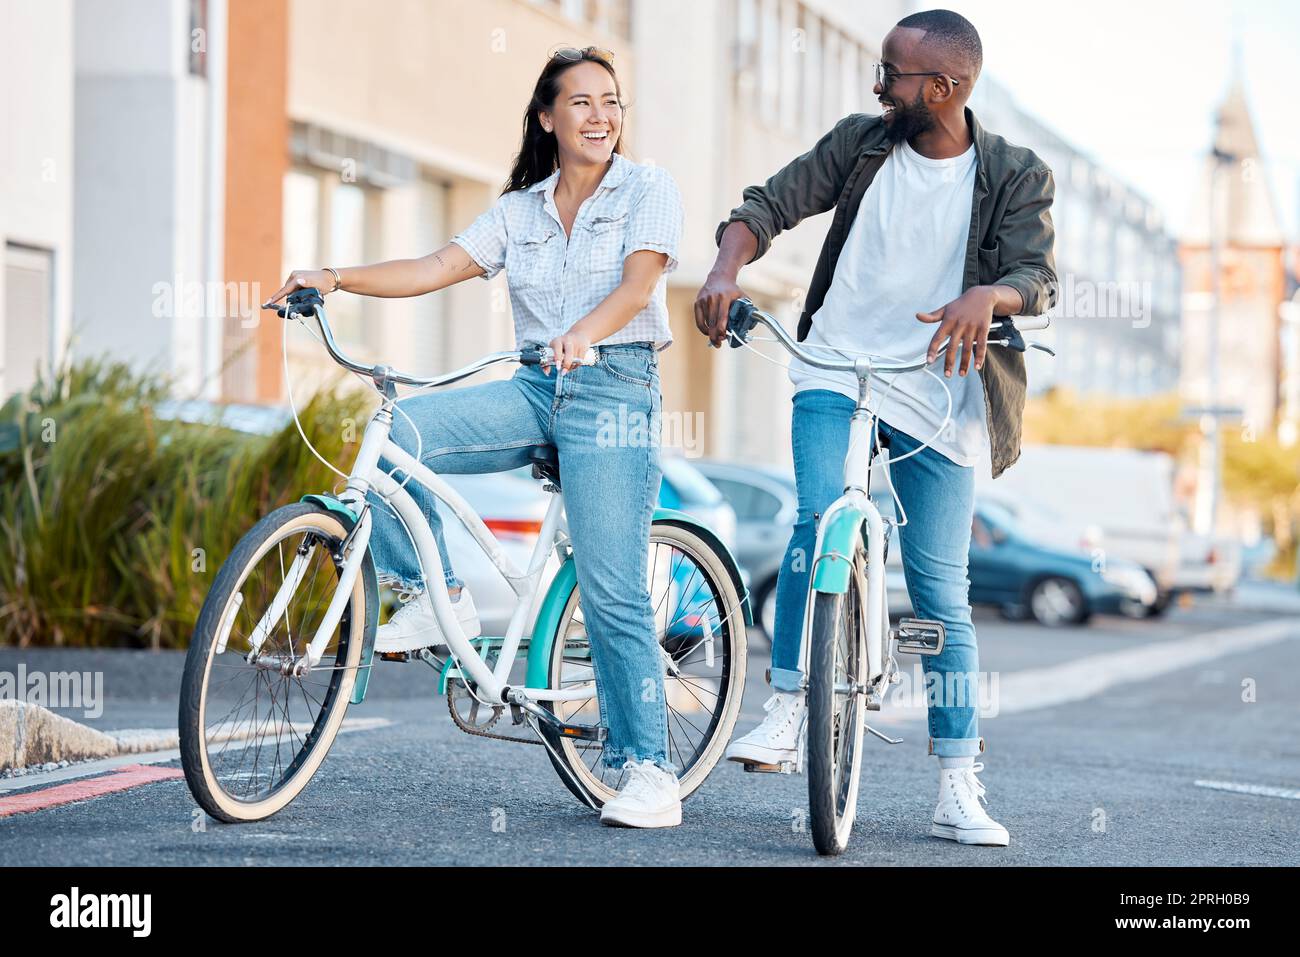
{"x": 585, "y": 237}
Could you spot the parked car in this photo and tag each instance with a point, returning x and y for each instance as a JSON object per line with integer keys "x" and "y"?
{"x": 513, "y": 504}
{"x": 1019, "y": 574}
{"x": 1126, "y": 493}
{"x": 766, "y": 506}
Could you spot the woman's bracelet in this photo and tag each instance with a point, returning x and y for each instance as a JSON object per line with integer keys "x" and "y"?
{"x": 338, "y": 283}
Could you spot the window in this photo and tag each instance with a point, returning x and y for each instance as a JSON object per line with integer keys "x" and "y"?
{"x": 198, "y": 37}
{"x": 769, "y": 60}
{"x": 813, "y": 68}
{"x": 347, "y": 245}
{"x": 326, "y": 222}
{"x": 28, "y": 323}
{"x": 834, "y": 91}
{"x": 849, "y": 66}
{"x": 752, "y": 504}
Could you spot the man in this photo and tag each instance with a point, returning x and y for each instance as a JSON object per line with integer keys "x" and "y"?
{"x": 939, "y": 226}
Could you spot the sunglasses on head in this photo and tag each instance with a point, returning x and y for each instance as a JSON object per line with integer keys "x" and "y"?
{"x": 582, "y": 53}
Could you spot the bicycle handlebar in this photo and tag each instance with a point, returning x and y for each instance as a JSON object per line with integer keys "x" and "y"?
{"x": 744, "y": 314}
{"x": 309, "y": 304}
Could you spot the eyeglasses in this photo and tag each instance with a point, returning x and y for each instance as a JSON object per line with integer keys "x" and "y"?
{"x": 574, "y": 53}
{"x": 885, "y": 77}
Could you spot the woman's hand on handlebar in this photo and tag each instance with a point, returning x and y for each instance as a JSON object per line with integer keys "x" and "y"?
{"x": 568, "y": 350}
{"x": 320, "y": 279}
{"x": 712, "y": 304}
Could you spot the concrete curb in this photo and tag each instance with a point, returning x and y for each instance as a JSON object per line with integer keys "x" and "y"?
{"x": 29, "y": 734}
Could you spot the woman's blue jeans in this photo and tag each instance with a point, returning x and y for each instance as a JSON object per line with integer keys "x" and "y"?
{"x": 604, "y": 422}
{"x": 939, "y": 498}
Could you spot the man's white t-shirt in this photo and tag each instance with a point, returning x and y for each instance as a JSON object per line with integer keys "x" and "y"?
{"x": 905, "y": 253}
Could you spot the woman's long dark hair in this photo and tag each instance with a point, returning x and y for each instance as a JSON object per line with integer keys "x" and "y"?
{"x": 538, "y": 153}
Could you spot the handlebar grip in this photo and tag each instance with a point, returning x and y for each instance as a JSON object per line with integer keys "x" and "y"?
{"x": 303, "y": 302}
{"x": 1032, "y": 323}
{"x": 740, "y": 321}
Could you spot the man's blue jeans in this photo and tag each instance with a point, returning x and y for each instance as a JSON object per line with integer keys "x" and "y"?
{"x": 611, "y": 486}
{"x": 939, "y": 498}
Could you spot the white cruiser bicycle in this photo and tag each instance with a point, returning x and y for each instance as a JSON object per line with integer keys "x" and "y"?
{"x": 847, "y": 647}
{"x": 284, "y": 641}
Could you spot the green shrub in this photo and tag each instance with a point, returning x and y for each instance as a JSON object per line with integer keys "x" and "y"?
{"x": 114, "y": 521}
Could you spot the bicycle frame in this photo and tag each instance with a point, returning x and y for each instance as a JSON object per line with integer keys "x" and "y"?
{"x": 366, "y": 475}
{"x": 854, "y": 515}
{"x": 840, "y": 534}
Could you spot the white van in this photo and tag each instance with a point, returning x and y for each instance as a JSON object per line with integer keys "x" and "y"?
{"x": 1124, "y": 498}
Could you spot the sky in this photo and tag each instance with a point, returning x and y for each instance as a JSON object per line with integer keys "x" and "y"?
{"x": 1135, "y": 84}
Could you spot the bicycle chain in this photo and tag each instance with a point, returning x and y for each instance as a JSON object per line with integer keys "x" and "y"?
{"x": 484, "y": 731}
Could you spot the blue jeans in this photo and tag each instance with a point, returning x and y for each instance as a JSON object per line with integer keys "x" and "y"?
{"x": 939, "y": 498}
{"x": 611, "y": 486}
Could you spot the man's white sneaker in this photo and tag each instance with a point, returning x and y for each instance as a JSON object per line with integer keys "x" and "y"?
{"x": 650, "y": 798}
{"x": 414, "y": 625}
{"x": 960, "y": 816}
{"x": 776, "y": 740}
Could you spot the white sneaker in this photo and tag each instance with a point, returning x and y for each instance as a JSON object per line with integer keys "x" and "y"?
{"x": 776, "y": 740}
{"x": 414, "y": 625}
{"x": 650, "y": 798}
{"x": 959, "y": 816}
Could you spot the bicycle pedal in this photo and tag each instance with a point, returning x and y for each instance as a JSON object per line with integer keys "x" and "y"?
{"x": 917, "y": 636}
{"x": 394, "y": 656}
{"x": 785, "y": 767}
{"x": 581, "y": 732}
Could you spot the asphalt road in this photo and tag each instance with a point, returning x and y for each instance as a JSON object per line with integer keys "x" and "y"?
{"x": 1107, "y": 779}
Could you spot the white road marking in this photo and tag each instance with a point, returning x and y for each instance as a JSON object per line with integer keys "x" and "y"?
{"x": 1087, "y": 677}
{"x": 1261, "y": 790}
{"x": 1034, "y": 688}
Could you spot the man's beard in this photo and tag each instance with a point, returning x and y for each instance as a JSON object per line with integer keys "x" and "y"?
{"x": 909, "y": 121}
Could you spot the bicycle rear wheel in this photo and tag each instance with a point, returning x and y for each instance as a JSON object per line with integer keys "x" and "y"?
{"x": 252, "y": 735}
{"x": 836, "y": 671}
{"x": 700, "y": 627}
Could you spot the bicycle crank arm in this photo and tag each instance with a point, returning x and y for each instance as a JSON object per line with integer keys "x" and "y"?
{"x": 577, "y": 732}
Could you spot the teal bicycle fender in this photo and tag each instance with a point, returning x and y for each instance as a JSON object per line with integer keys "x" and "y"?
{"x": 835, "y": 560}
{"x": 548, "y": 623}
{"x": 332, "y": 504}
{"x": 733, "y": 569}
{"x": 548, "y": 616}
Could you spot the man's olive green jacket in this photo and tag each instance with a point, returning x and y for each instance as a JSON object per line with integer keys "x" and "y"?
{"x": 1010, "y": 239}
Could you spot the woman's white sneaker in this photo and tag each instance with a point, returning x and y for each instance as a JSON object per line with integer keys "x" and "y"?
{"x": 650, "y": 798}
{"x": 776, "y": 740}
{"x": 960, "y": 817}
{"x": 414, "y": 625}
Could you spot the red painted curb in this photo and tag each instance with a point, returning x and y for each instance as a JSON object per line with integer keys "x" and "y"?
{"x": 129, "y": 776}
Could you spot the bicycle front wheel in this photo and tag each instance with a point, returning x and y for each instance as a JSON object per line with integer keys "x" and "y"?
{"x": 836, "y": 673}
{"x": 252, "y": 733}
{"x": 700, "y": 629}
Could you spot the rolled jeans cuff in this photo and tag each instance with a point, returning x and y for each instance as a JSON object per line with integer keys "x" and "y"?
{"x": 956, "y": 747}
{"x": 787, "y": 680}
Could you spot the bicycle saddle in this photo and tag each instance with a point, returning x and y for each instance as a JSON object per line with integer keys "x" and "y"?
{"x": 546, "y": 463}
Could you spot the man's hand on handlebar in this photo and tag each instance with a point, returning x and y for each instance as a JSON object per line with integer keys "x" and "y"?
{"x": 712, "y": 304}
{"x": 964, "y": 323}
{"x": 303, "y": 279}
